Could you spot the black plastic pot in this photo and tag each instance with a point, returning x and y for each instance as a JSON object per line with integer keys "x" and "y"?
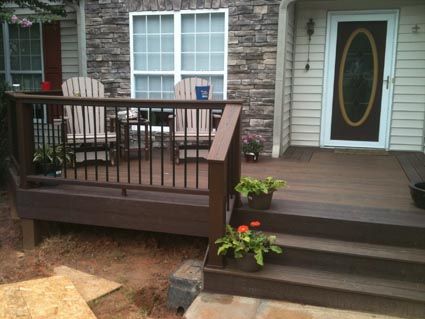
{"x": 248, "y": 263}
{"x": 417, "y": 191}
{"x": 262, "y": 201}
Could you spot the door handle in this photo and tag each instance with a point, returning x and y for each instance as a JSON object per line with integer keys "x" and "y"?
{"x": 387, "y": 82}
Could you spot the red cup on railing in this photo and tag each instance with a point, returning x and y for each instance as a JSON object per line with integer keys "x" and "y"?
{"x": 46, "y": 86}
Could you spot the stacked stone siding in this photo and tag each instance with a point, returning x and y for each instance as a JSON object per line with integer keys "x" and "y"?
{"x": 253, "y": 27}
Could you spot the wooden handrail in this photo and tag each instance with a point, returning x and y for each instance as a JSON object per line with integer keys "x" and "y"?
{"x": 117, "y": 102}
{"x": 226, "y": 129}
{"x": 224, "y": 170}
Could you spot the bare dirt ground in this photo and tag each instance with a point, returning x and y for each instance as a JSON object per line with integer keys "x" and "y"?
{"x": 141, "y": 261}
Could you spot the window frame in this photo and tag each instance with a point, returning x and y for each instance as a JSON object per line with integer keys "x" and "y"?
{"x": 177, "y": 73}
{"x": 6, "y": 48}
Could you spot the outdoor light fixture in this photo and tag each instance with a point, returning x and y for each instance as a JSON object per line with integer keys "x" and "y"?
{"x": 415, "y": 28}
{"x": 310, "y": 31}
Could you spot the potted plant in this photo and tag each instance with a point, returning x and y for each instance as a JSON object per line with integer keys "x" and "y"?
{"x": 252, "y": 145}
{"x": 49, "y": 160}
{"x": 247, "y": 245}
{"x": 259, "y": 192}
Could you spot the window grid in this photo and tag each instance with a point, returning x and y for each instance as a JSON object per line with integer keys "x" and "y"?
{"x": 178, "y": 73}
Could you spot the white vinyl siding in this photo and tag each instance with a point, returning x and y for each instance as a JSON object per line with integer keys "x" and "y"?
{"x": 408, "y": 108}
{"x": 69, "y": 47}
{"x": 407, "y": 129}
{"x": 307, "y": 86}
{"x": 288, "y": 85}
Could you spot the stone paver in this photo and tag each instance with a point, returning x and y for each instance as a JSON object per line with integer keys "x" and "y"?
{"x": 216, "y": 306}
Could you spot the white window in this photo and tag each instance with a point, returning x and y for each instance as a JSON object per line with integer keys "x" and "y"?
{"x": 21, "y": 55}
{"x": 170, "y": 46}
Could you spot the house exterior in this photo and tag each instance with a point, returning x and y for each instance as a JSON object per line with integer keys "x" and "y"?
{"x": 257, "y": 51}
{"x": 44, "y": 52}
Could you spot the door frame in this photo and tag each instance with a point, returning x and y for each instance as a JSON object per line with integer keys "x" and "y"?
{"x": 391, "y": 16}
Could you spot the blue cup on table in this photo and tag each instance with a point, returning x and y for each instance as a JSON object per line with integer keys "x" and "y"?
{"x": 202, "y": 92}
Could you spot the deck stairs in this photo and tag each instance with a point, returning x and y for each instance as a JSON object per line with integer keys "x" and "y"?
{"x": 359, "y": 258}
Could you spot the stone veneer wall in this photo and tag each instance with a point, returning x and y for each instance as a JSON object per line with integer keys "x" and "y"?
{"x": 252, "y": 50}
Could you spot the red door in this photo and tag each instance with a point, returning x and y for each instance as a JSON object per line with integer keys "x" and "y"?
{"x": 52, "y": 61}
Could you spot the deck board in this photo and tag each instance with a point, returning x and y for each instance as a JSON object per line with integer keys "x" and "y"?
{"x": 313, "y": 175}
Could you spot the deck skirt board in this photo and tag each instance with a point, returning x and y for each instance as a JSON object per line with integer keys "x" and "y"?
{"x": 140, "y": 210}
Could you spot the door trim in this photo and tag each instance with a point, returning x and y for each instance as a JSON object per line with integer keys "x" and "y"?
{"x": 391, "y": 16}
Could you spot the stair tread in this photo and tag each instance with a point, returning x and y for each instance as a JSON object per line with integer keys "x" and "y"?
{"x": 337, "y": 281}
{"x": 352, "y": 248}
{"x": 363, "y": 214}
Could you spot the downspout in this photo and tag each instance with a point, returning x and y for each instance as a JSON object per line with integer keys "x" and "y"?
{"x": 280, "y": 78}
{"x": 81, "y": 31}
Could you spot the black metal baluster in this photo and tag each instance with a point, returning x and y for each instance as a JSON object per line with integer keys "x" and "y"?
{"x": 35, "y": 107}
{"x": 162, "y": 146}
{"x": 185, "y": 148}
{"x": 139, "y": 151}
{"x": 43, "y": 140}
{"x": 172, "y": 148}
{"x": 63, "y": 134}
{"x": 210, "y": 115}
{"x": 197, "y": 148}
{"x": 127, "y": 132}
{"x": 84, "y": 141}
{"x": 150, "y": 147}
{"x": 107, "y": 149}
{"x": 118, "y": 142}
{"x": 96, "y": 172}
{"x": 74, "y": 142}
{"x": 53, "y": 139}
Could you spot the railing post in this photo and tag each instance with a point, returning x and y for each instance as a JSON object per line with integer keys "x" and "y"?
{"x": 217, "y": 210}
{"x": 26, "y": 141}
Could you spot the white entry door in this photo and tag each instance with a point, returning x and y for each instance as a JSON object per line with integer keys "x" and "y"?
{"x": 358, "y": 79}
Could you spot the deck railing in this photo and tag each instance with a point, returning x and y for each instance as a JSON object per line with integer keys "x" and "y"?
{"x": 91, "y": 142}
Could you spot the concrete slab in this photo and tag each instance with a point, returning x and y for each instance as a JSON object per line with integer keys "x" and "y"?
{"x": 90, "y": 287}
{"x": 47, "y": 298}
{"x": 214, "y": 306}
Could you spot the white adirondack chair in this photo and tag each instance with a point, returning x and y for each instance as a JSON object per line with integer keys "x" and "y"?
{"x": 185, "y": 90}
{"x": 86, "y": 124}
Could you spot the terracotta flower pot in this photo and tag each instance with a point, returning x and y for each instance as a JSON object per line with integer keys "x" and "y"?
{"x": 248, "y": 263}
{"x": 417, "y": 191}
{"x": 251, "y": 157}
{"x": 262, "y": 201}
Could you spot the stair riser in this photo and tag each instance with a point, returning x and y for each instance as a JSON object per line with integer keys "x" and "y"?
{"x": 260, "y": 288}
{"x": 331, "y": 228}
{"x": 351, "y": 264}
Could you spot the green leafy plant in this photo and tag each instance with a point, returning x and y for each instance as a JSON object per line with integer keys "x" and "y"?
{"x": 52, "y": 157}
{"x": 249, "y": 185}
{"x": 244, "y": 240}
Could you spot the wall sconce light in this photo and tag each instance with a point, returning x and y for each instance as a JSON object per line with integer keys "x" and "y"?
{"x": 310, "y": 30}
{"x": 415, "y": 28}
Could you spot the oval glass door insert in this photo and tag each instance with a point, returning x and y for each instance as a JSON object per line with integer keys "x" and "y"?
{"x": 358, "y": 77}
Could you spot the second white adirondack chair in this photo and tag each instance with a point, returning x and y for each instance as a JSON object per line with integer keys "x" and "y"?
{"x": 184, "y": 122}
{"x": 86, "y": 124}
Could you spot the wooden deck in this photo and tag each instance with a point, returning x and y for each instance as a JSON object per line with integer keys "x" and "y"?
{"x": 316, "y": 175}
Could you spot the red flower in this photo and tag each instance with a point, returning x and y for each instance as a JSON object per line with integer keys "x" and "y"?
{"x": 243, "y": 229}
{"x": 255, "y": 223}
